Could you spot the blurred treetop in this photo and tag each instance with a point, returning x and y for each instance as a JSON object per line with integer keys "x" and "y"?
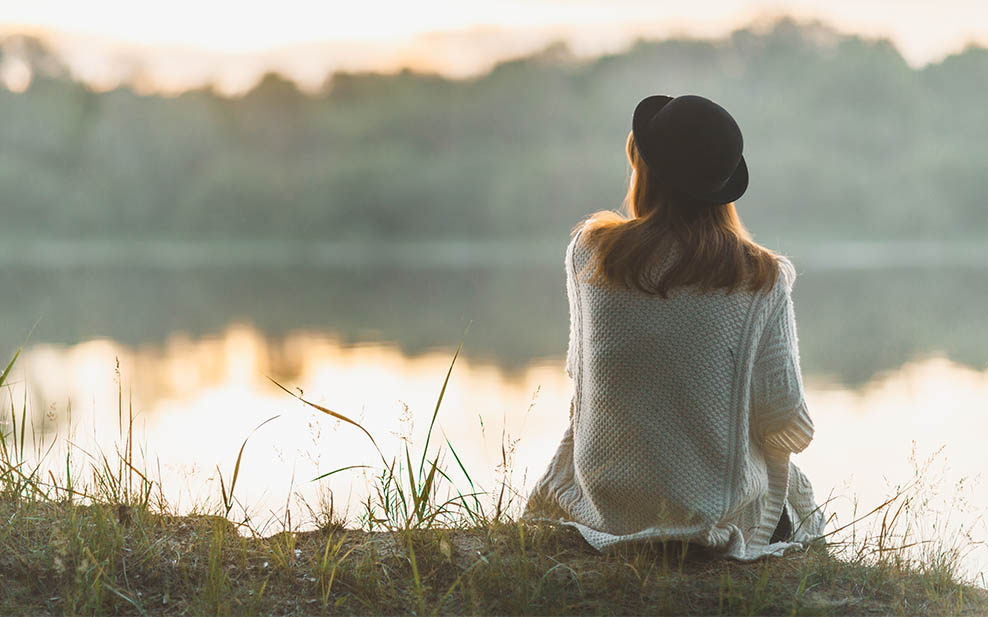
{"x": 843, "y": 139}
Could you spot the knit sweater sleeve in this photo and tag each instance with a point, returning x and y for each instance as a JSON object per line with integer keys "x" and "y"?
{"x": 572, "y": 352}
{"x": 779, "y": 417}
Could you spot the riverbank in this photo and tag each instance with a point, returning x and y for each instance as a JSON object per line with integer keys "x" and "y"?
{"x": 439, "y": 254}
{"x": 57, "y": 558}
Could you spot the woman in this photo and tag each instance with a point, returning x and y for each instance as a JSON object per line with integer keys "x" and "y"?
{"x": 688, "y": 396}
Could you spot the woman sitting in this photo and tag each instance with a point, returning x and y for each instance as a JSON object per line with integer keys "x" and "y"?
{"x": 688, "y": 397}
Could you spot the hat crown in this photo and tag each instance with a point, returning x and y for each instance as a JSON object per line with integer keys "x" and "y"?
{"x": 692, "y": 144}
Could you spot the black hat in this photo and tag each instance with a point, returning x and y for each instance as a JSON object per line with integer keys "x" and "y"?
{"x": 692, "y": 145}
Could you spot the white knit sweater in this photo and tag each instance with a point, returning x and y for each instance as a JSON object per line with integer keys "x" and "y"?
{"x": 684, "y": 413}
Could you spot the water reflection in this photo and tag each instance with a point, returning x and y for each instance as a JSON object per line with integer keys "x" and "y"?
{"x": 195, "y": 400}
{"x": 853, "y": 324}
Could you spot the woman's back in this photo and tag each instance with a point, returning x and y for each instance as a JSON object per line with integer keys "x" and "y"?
{"x": 661, "y": 400}
{"x": 660, "y": 375}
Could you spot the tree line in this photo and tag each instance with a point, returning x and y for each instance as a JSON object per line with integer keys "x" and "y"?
{"x": 843, "y": 139}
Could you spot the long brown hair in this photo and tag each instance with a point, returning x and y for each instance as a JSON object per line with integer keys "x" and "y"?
{"x": 716, "y": 251}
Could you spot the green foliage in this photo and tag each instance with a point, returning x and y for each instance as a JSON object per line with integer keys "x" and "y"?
{"x": 843, "y": 138}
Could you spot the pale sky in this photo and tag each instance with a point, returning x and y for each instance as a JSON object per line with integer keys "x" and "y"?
{"x": 181, "y": 43}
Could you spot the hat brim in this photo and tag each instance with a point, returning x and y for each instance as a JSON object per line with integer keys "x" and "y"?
{"x": 644, "y": 112}
{"x": 733, "y": 189}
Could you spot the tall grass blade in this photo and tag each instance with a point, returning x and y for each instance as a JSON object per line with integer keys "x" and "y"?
{"x": 13, "y": 433}
{"x": 877, "y": 508}
{"x": 6, "y": 371}
{"x": 10, "y": 365}
{"x": 329, "y": 473}
{"x": 23, "y": 423}
{"x": 333, "y": 414}
{"x": 439, "y": 402}
{"x": 423, "y": 500}
{"x": 473, "y": 489}
{"x": 459, "y": 462}
{"x": 228, "y": 501}
{"x": 474, "y": 513}
{"x": 411, "y": 487}
{"x": 68, "y": 474}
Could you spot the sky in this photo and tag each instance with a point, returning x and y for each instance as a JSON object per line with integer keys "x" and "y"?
{"x": 174, "y": 45}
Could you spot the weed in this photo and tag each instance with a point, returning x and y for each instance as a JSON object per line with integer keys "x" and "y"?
{"x": 406, "y": 497}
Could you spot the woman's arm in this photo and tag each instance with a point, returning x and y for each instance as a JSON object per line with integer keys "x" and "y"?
{"x": 572, "y": 293}
{"x": 779, "y": 415}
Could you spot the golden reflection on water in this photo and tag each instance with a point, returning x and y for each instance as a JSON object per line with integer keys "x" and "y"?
{"x": 195, "y": 401}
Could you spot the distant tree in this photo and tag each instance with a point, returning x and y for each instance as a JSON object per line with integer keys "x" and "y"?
{"x": 843, "y": 139}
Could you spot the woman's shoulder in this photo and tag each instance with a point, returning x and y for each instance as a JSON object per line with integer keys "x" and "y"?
{"x": 578, "y": 248}
{"x": 780, "y": 292}
{"x": 787, "y": 274}
{"x": 581, "y": 230}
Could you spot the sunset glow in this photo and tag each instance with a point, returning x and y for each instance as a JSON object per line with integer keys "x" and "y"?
{"x": 186, "y": 43}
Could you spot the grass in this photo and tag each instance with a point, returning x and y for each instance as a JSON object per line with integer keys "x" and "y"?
{"x": 99, "y": 543}
{"x": 92, "y": 560}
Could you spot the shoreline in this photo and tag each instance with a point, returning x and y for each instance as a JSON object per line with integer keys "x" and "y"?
{"x": 450, "y": 254}
{"x": 120, "y": 559}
